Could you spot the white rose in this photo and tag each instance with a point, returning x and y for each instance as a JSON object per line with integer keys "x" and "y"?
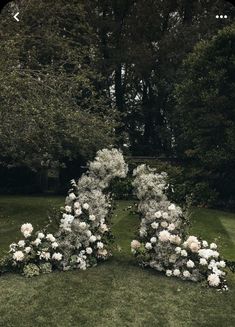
{"x": 89, "y": 250}
{"x": 100, "y": 245}
{"x": 154, "y": 225}
{"x": 183, "y": 253}
{"x": 186, "y": 274}
{"x": 175, "y": 239}
{"x": 37, "y": 241}
{"x": 50, "y": 238}
{"x": 164, "y": 236}
{"x": 165, "y": 215}
{"x": 191, "y": 239}
{"x": 177, "y": 249}
{"x": 213, "y": 280}
{"x": 77, "y": 205}
{"x": 176, "y": 272}
{"x": 78, "y": 212}
{"x": 190, "y": 264}
{"x": 54, "y": 245}
{"x": 26, "y": 229}
{"x": 68, "y": 209}
{"x": 41, "y": 235}
{"x": 148, "y": 246}
{"x": 203, "y": 262}
{"x": 21, "y": 243}
{"x": 92, "y": 239}
{"x": 72, "y": 196}
{"x": 92, "y": 217}
{"x": 82, "y": 225}
{"x": 57, "y": 256}
{"x": 18, "y": 256}
{"x": 27, "y": 249}
{"x": 158, "y": 214}
{"x": 213, "y": 246}
{"x": 135, "y": 244}
{"x": 88, "y": 233}
{"x": 103, "y": 253}
{"x": 205, "y": 244}
{"x": 205, "y": 253}
{"x": 153, "y": 240}
{"x": 45, "y": 255}
{"x": 172, "y": 207}
{"x": 195, "y": 247}
{"x": 12, "y": 247}
{"x": 103, "y": 228}
{"x": 164, "y": 224}
{"x": 169, "y": 273}
{"x": 212, "y": 264}
{"x": 222, "y": 264}
{"x": 171, "y": 227}
{"x": 86, "y": 206}
{"x": 142, "y": 232}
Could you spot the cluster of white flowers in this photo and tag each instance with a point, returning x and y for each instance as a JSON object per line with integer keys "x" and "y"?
{"x": 83, "y": 225}
{"x": 83, "y": 235}
{"x": 34, "y": 251}
{"x": 161, "y": 235}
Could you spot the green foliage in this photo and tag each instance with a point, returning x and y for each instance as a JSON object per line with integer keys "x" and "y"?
{"x": 51, "y": 108}
{"x": 31, "y": 270}
{"x": 204, "y": 119}
{"x": 45, "y": 268}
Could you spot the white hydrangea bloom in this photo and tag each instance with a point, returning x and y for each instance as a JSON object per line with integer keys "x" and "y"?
{"x": 37, "y": 241}
{"x": 54, "y": 245}
{"x": 203, "y": 262}
{"x": 213, "y": 246}
{"x": 176, "y": 272}
{"x": 21, "y": 243}
{"x": 186, "y": 274}
{"x": 184, "y": 253}
{"x": 154, "y": 225}
{"x": 190, "y": 264}
{"x": 50, "y": 238}
{"x": 89, "y": 250}
{"x": 164, "y": 236}
{"x": 100, "y": 245}
{"x": 41, "y": 235}
{"x": 213, "y": 280}
{"x": 26, "y": 229}
{"x": 86, "y": 206}
{"x": 57, "y": 256}
{"x": 28, "y": 249}
{"x": 148, "y": 246}
{"x": 168, "y": 272}
{"x": 18, "y": 256}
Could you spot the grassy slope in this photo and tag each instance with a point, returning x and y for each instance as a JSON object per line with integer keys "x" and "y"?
{"x": 116, "y": 293}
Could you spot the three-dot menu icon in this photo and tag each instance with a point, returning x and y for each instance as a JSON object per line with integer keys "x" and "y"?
{"x": 221, "y": 16}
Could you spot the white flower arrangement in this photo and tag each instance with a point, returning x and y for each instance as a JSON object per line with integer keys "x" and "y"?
{"x": 83, "y": 235}
{"x": 83, "y": 225}
{"x": 190, "y": 259}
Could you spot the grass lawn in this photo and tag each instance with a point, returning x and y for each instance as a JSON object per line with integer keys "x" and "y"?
{"x": 117, "y": 292}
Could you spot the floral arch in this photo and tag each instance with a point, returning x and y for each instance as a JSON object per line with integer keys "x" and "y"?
{"x": 84, "y": 235}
